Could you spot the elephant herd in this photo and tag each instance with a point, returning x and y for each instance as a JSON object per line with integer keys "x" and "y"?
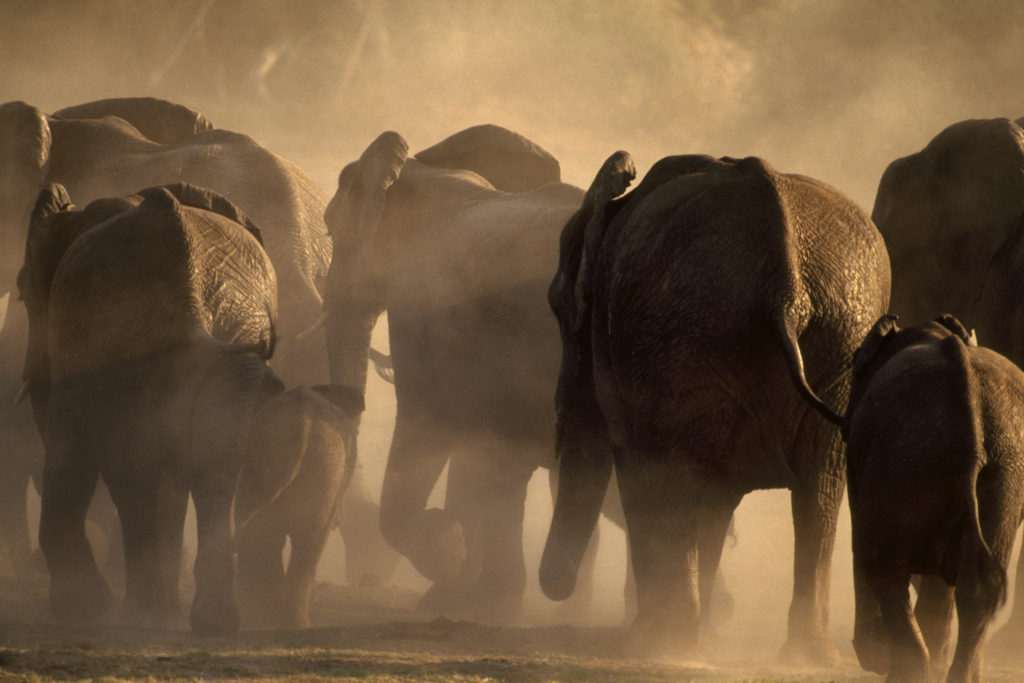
{"x": 197, "y": 319}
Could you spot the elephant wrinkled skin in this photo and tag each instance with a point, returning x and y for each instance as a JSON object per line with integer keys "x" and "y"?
{"x": 688, "y": 309}
{"x": 151, "y": 320}
{"x": 934, "y": 459}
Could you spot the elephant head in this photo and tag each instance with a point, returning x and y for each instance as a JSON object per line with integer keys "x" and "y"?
{"x": 388, "y": 220}
{"x": 947, "y": 209}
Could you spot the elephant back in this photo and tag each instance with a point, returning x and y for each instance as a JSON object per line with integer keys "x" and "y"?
{"x": 509, "y": 161}
{"x": 156, "y": 276}
{"x": 946, "y": 210}
{"x": 159, "y": 120}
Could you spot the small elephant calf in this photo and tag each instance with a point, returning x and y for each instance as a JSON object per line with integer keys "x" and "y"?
{"x": 936, "y": 479}
{"x": 300, "y": 458}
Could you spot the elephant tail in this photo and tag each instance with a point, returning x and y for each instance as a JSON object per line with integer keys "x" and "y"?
{"x": 977, "y": 564}
{"x": 794, "y": 359}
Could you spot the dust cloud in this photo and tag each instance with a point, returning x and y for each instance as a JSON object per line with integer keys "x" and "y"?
{"x": 833, "y": 89}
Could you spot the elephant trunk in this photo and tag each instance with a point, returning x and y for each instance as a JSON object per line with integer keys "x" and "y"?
{"x": 584, "y": 471}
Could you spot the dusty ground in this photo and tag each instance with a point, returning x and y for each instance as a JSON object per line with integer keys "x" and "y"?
{"x": 372, "y": 635}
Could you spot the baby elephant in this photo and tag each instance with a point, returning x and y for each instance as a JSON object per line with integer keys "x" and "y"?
{"x": 300, "y": 458}
{"x": 936, "y": 478}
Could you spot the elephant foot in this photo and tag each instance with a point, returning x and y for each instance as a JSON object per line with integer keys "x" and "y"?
{"x": 449, "y": 600}
{"x": 436, "y": 546}
{"x": 166, "y": 619}
{"x": 86, "y": 600}
{"x": 817, "y": 651}
{"x": 871, "y": 645}
{"x": 214, "y": 617}
{"x": 658, "y": 640}
{"x": 1004, "y": 645}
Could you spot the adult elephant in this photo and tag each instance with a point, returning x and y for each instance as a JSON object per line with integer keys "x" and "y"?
{"x": 151, "y": 318}
{"x": 117, "y": 146}
{"x": 708, "y": 319}
{"x": 457, "y": 244}
{"x": 949, "y": 214}
{"x": 947, "y": 209}
{"x": 105, "y": 149}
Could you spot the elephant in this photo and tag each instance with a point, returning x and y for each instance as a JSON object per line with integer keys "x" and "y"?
{"x": 954, "y": 207}
{"x": 104, "y": 149}
{"x": 708, "y": 319}
{"x": 151, "y": 320}
{"x": 946, "y": 209}
{"x": 116, "y": 146}
{"x": 456, "y": 244}
{"x": 934, "y": 455}
{"x": 299, "y": 460}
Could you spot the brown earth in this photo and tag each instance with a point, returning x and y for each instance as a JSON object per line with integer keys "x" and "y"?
{"x": 359, "y": 634}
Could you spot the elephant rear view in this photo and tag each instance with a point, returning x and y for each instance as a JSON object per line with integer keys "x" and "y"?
{"x": 935, "y": 457}
{"x": 151, "y": 320}
{"x": 300, "y": 457}
{"x": 708, "y": 321}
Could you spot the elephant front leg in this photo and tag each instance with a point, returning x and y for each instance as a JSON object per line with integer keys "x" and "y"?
{"x": 77, "y": 590}
{"x": 815, "y": 512}
{"x": 487, "y": 493}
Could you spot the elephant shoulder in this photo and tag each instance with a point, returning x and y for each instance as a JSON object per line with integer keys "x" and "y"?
{"x": 507, "y": 160}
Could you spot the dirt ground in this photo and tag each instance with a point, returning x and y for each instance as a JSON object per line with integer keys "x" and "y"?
{"x": 359, "y": 634}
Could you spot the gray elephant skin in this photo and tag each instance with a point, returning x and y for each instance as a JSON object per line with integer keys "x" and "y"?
{"x": 951, "y": 218}
{"x": 456, "y": 244}
{"x": 300, "y": 457}
{"x": 933, "y": 491}
{"x": 151, "y": 320}
{"x": 707, "y": 318}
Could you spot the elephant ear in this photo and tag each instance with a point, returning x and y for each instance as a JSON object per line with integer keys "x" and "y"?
{"x": 357, "y": 207}
{"x": 586, "y": 228}
{"x": 25, "y": 141}
{"x": 208, "y": 200}
{"x": 509, "y": 161}
{"x": 878, "y": 337}
{"x": 52, "y": 227}
{"x": 159, "y": 120}
{"x": 950, "y": 322}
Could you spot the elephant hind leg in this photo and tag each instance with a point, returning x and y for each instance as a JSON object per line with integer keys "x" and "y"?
{"x": 934, "y": 614}
{"x": 308, "y": 543}
{"x": 713, "y": 529}
{"x": 910, "y": 661}
{"x": 152, "y": 522}
{"x": 77, "y": 589}
{"x": 260, "y": 579}
{"x": 663, "y": 517}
